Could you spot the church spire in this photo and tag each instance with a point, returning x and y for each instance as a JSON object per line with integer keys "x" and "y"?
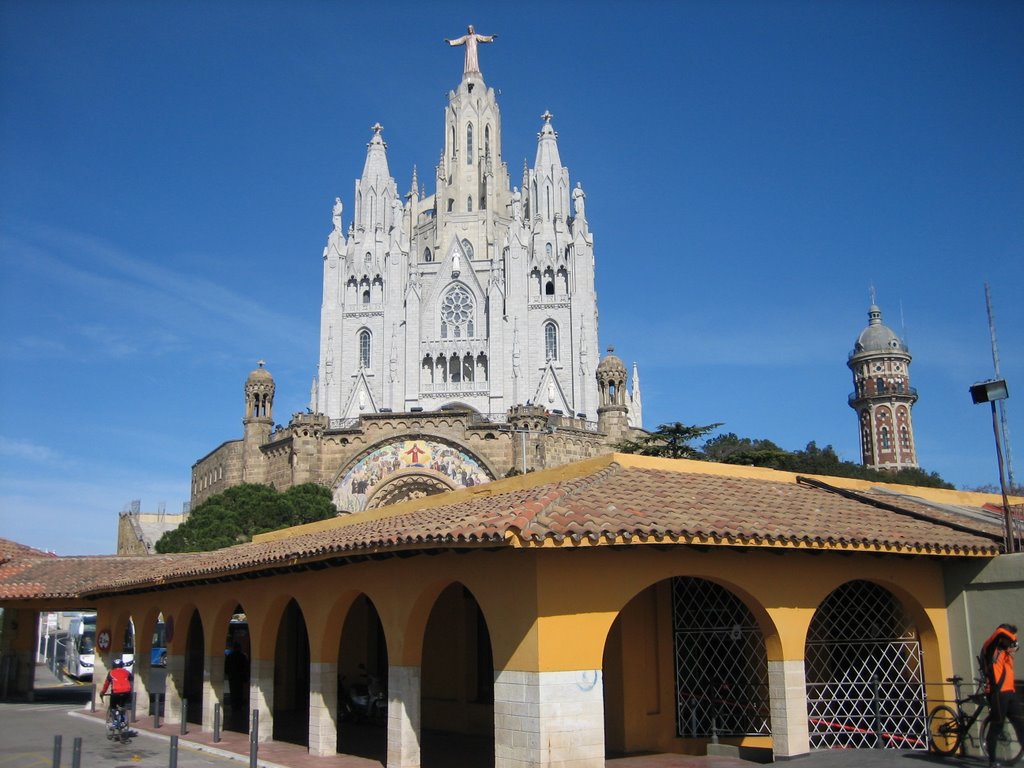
{"x": 375, "y": 188}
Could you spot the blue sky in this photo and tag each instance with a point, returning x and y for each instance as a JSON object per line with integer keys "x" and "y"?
{"x": 167, "y": 171}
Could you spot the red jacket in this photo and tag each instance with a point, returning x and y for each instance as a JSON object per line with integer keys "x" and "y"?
{"x": 121, "y": 680}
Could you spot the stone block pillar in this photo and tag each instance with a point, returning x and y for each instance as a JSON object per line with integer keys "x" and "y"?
{"x": 787, "y": 695}
{"x": 261, "y": 695}
{"x": 549, "y": 719}
{"x": 403, "y": 717}
{"x": 174, "y": 685}
{"x": 213, "y": 689}
{"x": 143, "y": 674}
{"x": 323, "y": 708}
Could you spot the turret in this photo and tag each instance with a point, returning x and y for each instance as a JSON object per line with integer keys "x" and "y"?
{"x": 882, "y": 396}
{"x": 612, "y": 413}
{"x": 257, "y": 422}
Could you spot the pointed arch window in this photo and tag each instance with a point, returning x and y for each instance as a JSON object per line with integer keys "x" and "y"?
{"x": 364, "y": 348}
{"x": 469, "y": 203}
{"x": 468, "y": 248}
{"x": 469, "y": 144}
{"x": 550, "y": 341}
{"x": 487, "y": 140}
{"x": 427, "y": 255}
{"x": 457, "y": 311}
{"x": 883, "y": 435}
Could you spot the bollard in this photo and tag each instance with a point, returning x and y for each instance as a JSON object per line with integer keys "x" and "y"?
{"x": 184, "y": 716}
{"x": 92, "y": 698}
{"x": 216, "y": 723}
{"x": 156, "y": 710}
{"x": 56, "y": 750}
{"x": 877, "y": 712}
{"x": 131, "y": 712}
{"x": 174, "y": 753}
{"x": 76, "y": 753}
{"x": 254, "y": 735}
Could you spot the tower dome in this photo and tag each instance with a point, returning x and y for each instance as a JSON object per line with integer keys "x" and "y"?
{"x": 259, "y": 395}
{"x": 877, "y": 337}
{"x": 882, "y": 396}
{"x": 611, "y": 380}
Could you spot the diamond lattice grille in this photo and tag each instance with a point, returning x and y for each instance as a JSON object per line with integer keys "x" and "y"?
{"x": 860, "y": 646}
{"x": 721, "y": 664}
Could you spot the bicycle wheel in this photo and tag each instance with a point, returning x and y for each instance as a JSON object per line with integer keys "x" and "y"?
{"x": 944, "y": 733}
{"x": 1008, "y": 747}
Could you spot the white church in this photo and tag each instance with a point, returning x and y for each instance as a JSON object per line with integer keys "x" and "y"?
{"x": 480, "y": 293}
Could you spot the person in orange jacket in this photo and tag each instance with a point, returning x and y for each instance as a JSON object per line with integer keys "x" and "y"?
{"x": 119, "y": 681}
{"x": 997, "y": 655}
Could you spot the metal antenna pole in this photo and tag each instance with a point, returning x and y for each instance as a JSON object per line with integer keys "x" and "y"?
{"x": 1003, "y": 426}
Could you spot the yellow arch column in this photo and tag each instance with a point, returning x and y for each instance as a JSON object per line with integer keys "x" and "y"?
{"x": 787, "y": 681}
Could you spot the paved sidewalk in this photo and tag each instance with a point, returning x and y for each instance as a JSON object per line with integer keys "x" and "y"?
{"x": 235, "y": 746}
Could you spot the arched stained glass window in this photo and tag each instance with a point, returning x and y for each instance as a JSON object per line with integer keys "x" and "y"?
{"x": 550, "y": 341}
{"x": 457, "y": 310}
{"x": 469, "y": 144}
{"x": 364, "y": 349}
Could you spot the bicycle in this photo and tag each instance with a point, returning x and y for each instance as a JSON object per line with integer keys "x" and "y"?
{"x": 949, "y": 728}
{"x": 117, "y": 720}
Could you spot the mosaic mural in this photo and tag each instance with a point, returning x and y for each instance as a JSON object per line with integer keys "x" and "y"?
{"x": 444, "y": 464}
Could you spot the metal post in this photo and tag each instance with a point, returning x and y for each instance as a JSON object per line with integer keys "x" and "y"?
{"x": 216, "y": 722}
{"x": 131, "y": 712}
{"x": 174, "y": 753}
{"x": 76, "y": 753}
{"x": 184, "y": 716}
{"x": 877, "y": 712}
{"x": 156, "y": 709}
{"x": 56, "y": 750}
{"x": 254, "y": 736}
{"x": 92, "y": 698}
{"x": 1011, "y": 540}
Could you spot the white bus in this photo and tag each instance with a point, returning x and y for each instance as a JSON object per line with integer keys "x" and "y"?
{"x": 81, "y": 653}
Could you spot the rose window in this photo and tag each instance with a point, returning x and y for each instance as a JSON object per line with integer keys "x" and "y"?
{"x": 457, "y": 314}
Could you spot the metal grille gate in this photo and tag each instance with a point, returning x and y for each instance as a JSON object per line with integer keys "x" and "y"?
{"x": 864, "y": 672}
{"x": 721, "y": 664}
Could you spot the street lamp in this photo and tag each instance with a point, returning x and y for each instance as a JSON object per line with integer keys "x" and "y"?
{"x": 989, "y": 392}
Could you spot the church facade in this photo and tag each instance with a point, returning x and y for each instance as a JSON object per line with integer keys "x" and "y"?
{"x": 458, "y": 338}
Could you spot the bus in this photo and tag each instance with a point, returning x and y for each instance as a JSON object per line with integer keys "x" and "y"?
{"x": 158, "y": 650}
{"x": 81, "y": 653}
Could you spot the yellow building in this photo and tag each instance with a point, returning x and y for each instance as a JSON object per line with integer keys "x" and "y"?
{"x": 616, "y": 605}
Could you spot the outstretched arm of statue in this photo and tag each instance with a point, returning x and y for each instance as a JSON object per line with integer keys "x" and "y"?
{"x": 456, "y": 41}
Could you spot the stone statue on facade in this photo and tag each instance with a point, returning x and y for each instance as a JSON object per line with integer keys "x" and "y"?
{"x": 579, "y": 198}
{"x": 336, "y": 214}
{"x": 470, "y": 40}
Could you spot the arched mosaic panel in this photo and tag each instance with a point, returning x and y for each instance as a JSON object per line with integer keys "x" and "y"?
{"x": 862, "y": 662}
{"x": 438, "y": 464}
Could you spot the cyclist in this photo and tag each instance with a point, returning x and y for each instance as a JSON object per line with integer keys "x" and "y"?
{"x": 997, "y": 663}
{"x": 119, "y": 680}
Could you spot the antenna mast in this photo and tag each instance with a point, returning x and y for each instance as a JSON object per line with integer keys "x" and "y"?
{"x": 1004, "y": 429}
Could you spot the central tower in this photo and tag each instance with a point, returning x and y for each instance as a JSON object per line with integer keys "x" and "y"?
{"x": 480, "y": 293}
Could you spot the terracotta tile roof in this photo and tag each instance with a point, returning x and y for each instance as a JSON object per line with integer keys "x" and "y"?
{"x": 612, "y": 500}
{"x": 9, "y": 550}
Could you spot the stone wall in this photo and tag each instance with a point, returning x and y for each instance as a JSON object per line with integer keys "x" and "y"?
{"x": 309, "y": 450}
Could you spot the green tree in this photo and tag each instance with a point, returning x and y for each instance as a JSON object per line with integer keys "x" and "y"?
{"x": 239, "y": 513}
{"x": 671, "y": 441}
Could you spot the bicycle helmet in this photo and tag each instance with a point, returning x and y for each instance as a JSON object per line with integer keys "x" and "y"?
{"x": 118, "y": 663}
